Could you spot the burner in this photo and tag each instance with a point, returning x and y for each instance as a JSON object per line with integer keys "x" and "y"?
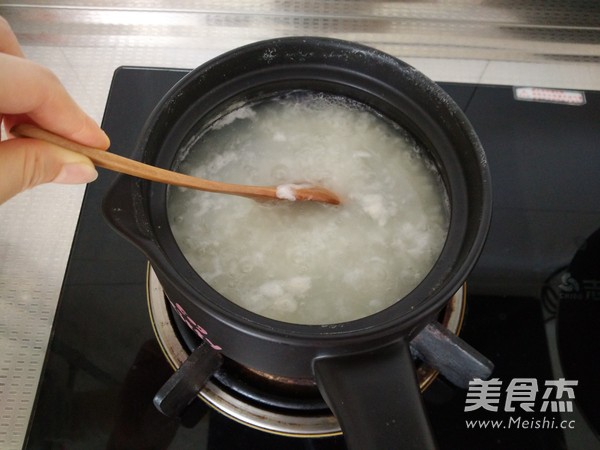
{"x": 578, "y": 338}
{"x": 292, "y": 407}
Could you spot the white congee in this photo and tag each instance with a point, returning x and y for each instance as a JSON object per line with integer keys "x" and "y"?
{"x": 307, "y": 262}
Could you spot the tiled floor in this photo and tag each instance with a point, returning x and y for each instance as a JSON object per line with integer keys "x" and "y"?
{"x": 83, "y": 42}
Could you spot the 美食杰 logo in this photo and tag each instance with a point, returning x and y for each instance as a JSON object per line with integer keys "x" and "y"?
{"x": 528, "y": 401}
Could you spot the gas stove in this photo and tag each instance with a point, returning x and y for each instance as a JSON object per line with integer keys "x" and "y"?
{"x": 107, "y": 359}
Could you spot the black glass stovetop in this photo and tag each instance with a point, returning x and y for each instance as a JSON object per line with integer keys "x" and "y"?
{"x": 104, "y": 365}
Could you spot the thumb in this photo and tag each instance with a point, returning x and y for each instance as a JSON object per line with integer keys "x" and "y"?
{"x": 26, "y": 163}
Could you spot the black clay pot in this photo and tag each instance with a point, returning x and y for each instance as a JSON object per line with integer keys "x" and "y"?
{"x": 363, "y": 368}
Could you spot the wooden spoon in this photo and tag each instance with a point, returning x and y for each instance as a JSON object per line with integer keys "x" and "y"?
{"x": 101, "y": 158}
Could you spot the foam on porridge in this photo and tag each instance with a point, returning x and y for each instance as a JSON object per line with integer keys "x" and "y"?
{"x": 307, "y": 262}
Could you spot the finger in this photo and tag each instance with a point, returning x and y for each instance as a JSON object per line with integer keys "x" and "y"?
{"x": 31, "y": 92}
{"x": 8, "y": 40}
{"x": 28, "y": 162}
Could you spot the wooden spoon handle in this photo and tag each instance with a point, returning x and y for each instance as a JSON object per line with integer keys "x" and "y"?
{"x": 128, "y": 166}
{"x": 134, "y": 168}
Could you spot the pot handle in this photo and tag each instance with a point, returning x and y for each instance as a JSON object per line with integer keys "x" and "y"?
{"x": 123, "y": 209}
{"x": 376, "y": 399}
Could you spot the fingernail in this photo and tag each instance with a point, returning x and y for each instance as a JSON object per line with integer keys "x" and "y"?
{"x": 76, "y": 173}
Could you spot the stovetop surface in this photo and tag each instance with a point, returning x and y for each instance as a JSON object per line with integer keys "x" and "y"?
{"x": 104, "y": 365}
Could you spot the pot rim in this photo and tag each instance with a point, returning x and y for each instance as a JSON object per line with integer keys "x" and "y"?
{"x": 398, "y": 319}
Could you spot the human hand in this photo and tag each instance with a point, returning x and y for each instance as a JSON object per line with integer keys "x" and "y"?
{"x": 31, "y": 93}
